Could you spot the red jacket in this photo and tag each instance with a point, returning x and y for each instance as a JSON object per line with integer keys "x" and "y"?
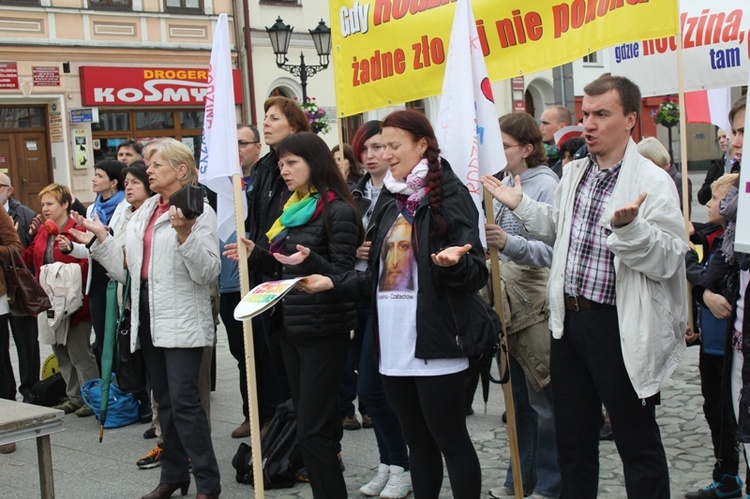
{"x": 34, "y": 258}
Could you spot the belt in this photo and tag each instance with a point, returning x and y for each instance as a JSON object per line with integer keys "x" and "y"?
{"x": 578, "y": 303}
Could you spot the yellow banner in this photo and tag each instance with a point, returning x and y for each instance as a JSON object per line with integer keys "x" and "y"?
{"x": 393, "y": 51}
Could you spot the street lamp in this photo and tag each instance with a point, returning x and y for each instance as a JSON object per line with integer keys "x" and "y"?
{"x": 281, "y": 34}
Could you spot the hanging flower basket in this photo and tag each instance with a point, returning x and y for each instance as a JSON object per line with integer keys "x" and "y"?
{"x": 316, "y": 115}
{"x": 668, "y": 114}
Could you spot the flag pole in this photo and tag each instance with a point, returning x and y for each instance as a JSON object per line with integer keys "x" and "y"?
{"x": 684, "y": 160}
{"x": 510, "y": 412}
{"x": 247, "y": 330}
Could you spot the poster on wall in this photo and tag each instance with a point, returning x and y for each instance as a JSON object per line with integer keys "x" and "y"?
{"x": 80, "y": 149}
{"x": 8, "y": 75}
{"x": 55, "y": 123}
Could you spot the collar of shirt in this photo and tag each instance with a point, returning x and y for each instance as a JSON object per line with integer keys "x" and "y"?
{"x": 602, "y": 174}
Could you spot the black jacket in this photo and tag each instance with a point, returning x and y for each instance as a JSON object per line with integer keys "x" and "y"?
{"x": 447, "y": 305}
{"x": 267, "y": 198}
{"x": 302, "y": 314}
{"x": 364, "y": 204}
{"x": 22, "y": 215}
{"x": 715, "y": 171}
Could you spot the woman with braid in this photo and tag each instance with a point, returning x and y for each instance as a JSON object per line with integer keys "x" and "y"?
{"x": 426, "y": 264}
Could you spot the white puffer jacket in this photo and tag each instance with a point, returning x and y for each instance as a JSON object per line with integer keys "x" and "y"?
{"x": 179, "y": 276}
{"x": 649, "y": 264}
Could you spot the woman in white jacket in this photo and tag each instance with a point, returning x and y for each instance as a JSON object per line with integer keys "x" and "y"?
{"x": 172, "y": 261}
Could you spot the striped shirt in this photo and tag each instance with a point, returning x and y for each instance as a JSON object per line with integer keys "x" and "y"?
{"x": 590, "y": 269}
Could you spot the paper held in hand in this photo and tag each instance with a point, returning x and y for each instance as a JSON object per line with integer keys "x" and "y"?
{"x": 262, "y": 297}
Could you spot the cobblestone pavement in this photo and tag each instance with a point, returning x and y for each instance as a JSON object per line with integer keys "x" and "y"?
{"x": 84, "y": 468}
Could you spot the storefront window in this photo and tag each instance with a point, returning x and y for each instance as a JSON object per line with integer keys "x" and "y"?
{"x": 185, "y": 125}
{"x": 112, "y": 121}
{"x": 21, "y": 117}
{"x": 191, "y": 119}
{"x": 150, "y": 120}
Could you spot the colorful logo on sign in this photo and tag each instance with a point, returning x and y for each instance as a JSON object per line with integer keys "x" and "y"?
{"x": 111, "y": 86}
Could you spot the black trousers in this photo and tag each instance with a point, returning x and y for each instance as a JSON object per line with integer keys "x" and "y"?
{"x": 184, "y": 426}
{"x": 719, "y": 415}
{"x": 313, "y": 366}
{"x": 432, "y": 412}
{"x": 7, "y": 380}
{"x": 268, "y": 392}
{"x": 588, "y": 369}
{"x": 26, "y": 337}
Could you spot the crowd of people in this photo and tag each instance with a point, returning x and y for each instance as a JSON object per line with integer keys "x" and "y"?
{"x": 594, "y": 256}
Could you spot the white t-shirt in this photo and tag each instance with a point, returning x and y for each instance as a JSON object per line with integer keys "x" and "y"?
{"x": 397, "y": 310}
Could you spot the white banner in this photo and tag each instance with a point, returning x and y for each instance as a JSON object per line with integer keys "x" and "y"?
{"x": 742, "y": 233}
{"x": 467, "y": 129}
{"x": 715, "y": 49}
{"x": 219, "y": 153}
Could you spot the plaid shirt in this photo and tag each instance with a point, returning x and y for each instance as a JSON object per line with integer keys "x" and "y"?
{"x": 590, "y": 269}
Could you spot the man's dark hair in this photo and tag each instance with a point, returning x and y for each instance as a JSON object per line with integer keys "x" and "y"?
{"x": 630, "y": 94}
{"x": 134, "y": 144}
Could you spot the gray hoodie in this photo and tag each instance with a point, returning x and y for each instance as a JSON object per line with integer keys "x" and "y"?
{"x": 539, "y": 183}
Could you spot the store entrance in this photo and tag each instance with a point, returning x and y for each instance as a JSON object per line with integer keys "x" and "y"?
{"x": 24, "y": 152}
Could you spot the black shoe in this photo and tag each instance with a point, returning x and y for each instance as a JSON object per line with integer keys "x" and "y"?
{"x": 730, "y": 486}
{"x": 150, "y": 433}
{"x": 605, "y": 433}
{"x": 505, "y": 418}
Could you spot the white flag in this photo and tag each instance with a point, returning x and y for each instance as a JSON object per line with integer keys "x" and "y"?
{"x": 467, "y": 129}
{"x": 219, "y": 154}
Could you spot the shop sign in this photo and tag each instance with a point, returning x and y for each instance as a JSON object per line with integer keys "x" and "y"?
{"x": 46, "y": 76}
{"x": 84, "y": 115}
{"x": 122, "y": 86}
{"x": 8, "y": 75}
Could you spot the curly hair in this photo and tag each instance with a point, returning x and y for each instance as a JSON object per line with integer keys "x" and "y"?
{"x": 416, "y": 124}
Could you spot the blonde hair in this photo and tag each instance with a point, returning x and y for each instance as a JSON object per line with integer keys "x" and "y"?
{"x": 60, "y": 193}
{"x": 652, "y": 149}
{"x": 728, "y": 179}
{"x": 175, "y": 153}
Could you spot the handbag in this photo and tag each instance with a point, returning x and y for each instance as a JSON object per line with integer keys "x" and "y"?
{"x": 122, "y": 408}
{"x": 25, "y": 294}
{"x": 131, "y": 368}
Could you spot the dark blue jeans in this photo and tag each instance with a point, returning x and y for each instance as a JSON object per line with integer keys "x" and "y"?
{"x": 535, "y": 427}
{"x": 391, "y": 443}
{"x": 587, "y": 368}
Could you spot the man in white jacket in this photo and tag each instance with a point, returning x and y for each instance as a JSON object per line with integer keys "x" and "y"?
{"x": 616, "y": 293}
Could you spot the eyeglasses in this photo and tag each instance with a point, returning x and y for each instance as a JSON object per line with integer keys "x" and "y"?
{"x": 508, "y": 146}
{"x": 4, "y": 185}
{"x": 245, "y": 143}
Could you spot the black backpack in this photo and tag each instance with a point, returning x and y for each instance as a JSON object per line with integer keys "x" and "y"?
{"x": 48, "y": 391}
{"x": 279, "y": 449}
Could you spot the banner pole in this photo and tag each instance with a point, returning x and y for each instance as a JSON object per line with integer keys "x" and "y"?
{"x": 684, "y": 160}
{"x": 510, "y": 412}
{"x": 247, "y": 330}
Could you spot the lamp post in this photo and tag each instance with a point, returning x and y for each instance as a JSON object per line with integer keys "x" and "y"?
{"x": 281, "y": 35}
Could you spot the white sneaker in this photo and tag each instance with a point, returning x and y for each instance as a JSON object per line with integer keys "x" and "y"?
{"x": 399, "y": 484}
{"x": 378, "y": 483}
{"x": 502, "y": 492}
